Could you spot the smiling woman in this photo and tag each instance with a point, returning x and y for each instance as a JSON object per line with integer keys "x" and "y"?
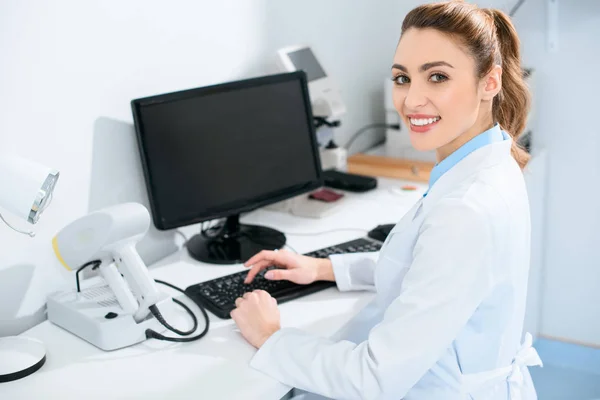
{"x": 451, "y": 278}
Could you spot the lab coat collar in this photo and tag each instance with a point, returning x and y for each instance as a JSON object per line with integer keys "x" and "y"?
{"x": 492, "y": 135}
{"x": 471, "y": 164}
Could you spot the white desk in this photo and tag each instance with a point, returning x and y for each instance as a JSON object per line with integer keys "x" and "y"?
{"x": 216, "y": 366}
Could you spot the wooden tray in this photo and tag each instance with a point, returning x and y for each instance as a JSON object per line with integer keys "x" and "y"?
{"x": 390, "y": 167}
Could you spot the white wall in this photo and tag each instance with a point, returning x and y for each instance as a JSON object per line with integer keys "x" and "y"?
{"x": 355, "y": 43}
{"x": 567, "y": 90}
{"x": 70, "y": 68}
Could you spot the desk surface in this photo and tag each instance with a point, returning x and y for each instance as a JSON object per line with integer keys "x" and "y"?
{"x": 216, "y": 366}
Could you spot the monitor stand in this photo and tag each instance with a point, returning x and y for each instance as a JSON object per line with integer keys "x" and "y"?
{"x": 235, "y": 244}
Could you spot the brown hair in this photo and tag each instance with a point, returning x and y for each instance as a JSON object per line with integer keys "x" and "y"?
{"x": 491, "y": 38}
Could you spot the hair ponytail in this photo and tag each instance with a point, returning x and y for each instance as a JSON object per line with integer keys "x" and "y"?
{"x": 511, "y": 105}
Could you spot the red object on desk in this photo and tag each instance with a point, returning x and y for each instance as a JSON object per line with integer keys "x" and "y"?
{"x": 326, "y": 195}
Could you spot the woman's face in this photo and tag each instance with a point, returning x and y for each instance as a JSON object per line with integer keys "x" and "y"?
{"x": 436, "y": 91}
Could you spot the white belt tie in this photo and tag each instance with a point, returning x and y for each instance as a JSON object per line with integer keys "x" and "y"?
{"x": 527, "y": 356}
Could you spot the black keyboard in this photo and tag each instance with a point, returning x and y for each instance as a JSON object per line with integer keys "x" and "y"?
{"x": 219, "y": 295}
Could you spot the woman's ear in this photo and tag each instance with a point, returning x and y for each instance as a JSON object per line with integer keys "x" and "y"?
{"x": 492, "y": 83}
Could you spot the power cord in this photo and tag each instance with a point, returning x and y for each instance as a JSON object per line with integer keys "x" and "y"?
{"x": 156, "y": 313}
{"x": 367, "y": 128}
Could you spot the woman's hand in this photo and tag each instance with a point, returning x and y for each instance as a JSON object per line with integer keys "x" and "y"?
{"x": 296, "y": 268}
{"x": 257, "y": 316}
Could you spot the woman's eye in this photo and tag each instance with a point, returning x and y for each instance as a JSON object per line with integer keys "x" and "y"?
{"x": 437, "y": 78}
{"x": 401, "y": 79}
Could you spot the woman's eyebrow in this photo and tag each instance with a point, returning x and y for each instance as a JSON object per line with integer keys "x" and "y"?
{"x": 430, "y": 65}
{"x": 424, "y": 67}
{"x": 400, "y": 67}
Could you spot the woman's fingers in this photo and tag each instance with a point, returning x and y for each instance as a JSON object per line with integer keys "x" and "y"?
{"x": 282, "y": 274}
{"x": 266, "y": 259}
{"x": 256, "y": 269}
{"x": 261, "y": 256}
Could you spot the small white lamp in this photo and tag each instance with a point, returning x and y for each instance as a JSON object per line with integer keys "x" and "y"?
{"x": 25, "y": 191}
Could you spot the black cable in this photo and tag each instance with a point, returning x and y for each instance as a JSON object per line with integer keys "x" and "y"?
{"x": 96, "y": 264}
{"x": 209, "y": 232}
{"x": 156, "y": 312}
{"x": 366, "y": 128}
{"x": 155, "y": 335}
{"x": 320, "y": 121}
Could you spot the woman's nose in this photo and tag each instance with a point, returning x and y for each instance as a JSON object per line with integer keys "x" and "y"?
{"x": 415, "y": 97}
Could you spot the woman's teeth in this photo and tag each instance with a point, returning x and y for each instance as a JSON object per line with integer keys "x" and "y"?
{"x": 424, "y": 121}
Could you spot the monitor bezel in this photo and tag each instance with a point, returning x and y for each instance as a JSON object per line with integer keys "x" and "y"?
{"x": 241, "y": 206}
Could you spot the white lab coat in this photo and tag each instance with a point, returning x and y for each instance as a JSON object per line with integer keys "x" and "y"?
{"x": 447, "y": 319}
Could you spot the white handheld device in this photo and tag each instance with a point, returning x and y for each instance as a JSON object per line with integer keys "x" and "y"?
{"x": 114, "y": 313}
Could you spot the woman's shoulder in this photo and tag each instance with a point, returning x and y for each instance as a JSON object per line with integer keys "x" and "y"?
{"x": 496, "y": 192}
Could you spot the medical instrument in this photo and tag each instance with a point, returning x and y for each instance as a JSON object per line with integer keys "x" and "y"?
{"x": 333, "y": 156}
{"x": 121, "y": 307}
{"x": 325, "y": 96}
{"x": 201, "y": 171}
{"x": 26, "y": 191}
{"x": 219, "y": 295}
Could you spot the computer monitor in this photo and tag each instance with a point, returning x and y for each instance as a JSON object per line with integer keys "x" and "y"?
{"x": 218, "y": 151}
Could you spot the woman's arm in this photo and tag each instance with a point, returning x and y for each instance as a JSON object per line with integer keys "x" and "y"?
{"x": 354, "y": 271}
{"x": 450, "y": 275}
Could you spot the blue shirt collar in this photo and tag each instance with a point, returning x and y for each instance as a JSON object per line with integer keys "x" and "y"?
{"x": 492, "y": 135}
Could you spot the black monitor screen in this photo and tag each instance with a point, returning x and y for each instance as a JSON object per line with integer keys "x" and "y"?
{"x": 220, "y": 150}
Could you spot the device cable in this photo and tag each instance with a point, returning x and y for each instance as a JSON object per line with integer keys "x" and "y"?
{"x": 321, "y": 121}
{"x": 156, "y": 313}
{"x": 95, "y": 263}
{"x": 367, "y": 128}
{"x": 183, "y": 236}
